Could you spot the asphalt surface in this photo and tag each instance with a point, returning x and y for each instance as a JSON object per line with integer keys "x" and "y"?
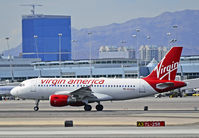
{"x": 24, "y": 132}
{"x": 181, "y": 115}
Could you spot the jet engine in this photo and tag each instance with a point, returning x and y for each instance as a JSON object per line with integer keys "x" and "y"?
{"x": 64, "y": 100}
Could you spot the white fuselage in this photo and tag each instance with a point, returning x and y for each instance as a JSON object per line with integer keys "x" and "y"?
{"x": 117, "y": 89}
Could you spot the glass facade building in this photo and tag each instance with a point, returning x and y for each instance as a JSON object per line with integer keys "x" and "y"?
{"x": 40, "y": 37}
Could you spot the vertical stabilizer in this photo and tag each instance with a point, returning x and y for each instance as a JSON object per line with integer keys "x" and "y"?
{"x": 167, "y": 67}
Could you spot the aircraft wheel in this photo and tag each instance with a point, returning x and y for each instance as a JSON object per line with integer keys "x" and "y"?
{"x": 87, "y": 107}
{"x": 99, "y": 107}
{"x": 36, "y": 108}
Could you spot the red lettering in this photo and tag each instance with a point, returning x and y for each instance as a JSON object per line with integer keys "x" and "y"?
{"x": 54, "y": 82}
{"x": 60, "y": 81}
{"x": 101, "y": 82}
{"x": 49, "y": 81}
{"x": 84, "y": 81}
{"x": 70, "y": 81}
{"x": 88, "y": 81}
{"x": 79, "y": 81}
{"x": 43, "y": 81}
{"x": 96, "y": 82}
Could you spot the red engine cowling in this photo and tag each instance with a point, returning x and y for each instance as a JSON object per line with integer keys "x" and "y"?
{"x": 64, "y": 100}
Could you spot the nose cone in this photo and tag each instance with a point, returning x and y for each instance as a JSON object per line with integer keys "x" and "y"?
{"x": 14, "y": 92}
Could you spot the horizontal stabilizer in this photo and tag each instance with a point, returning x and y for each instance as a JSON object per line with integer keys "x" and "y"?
{"x": 165, "y": 85}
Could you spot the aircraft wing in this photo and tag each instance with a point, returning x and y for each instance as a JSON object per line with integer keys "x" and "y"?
{"x": 86, "y": 94}
{"x": 82, "y": 92}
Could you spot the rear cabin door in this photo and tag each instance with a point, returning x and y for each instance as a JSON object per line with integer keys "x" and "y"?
{"x": 142, "y": 91}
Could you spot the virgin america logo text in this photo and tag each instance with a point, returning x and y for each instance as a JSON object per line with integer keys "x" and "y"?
{"x": 72, "y": 81}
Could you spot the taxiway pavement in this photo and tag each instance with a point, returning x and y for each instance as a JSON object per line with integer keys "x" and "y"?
{"x": 119, "y": 118}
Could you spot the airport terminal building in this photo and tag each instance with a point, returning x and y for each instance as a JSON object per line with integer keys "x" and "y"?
{"x": 22, "y": 68}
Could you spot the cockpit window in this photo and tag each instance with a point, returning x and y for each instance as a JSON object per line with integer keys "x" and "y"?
{"x": 21, "y": 84}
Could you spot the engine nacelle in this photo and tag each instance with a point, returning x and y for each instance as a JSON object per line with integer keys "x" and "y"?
{"x": 64, "y": 100}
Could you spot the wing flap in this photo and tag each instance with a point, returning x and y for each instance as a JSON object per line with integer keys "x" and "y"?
{"x": 102, "y": 97}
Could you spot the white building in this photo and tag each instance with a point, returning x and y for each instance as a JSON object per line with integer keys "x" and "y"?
{"x": 147, "y": 53}
{"x": 106, "y": 52}
{"x": 162, "y": 51}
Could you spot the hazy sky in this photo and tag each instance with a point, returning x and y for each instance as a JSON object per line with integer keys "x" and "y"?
{"x": 84, "y": 13}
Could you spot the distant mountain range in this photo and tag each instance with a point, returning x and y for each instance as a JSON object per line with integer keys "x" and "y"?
{"x": 13, "y": 51}
{"x": 186, "y": 33}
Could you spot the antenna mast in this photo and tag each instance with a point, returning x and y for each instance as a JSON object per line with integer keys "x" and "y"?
{"x": 33, "y": 7}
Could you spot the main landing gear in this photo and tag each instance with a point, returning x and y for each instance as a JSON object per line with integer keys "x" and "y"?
{"x": 36, "y": 108}
{"x": 87, "y": 107}
{"x": 99, "y": 107}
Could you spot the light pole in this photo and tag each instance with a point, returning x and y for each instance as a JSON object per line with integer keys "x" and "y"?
{"x": 60, "y": 35}
{"x": 74, "y": 52}
{"x": 123, "y": 42}
{"x": 175, "y": 27}
{"x": 9, "y": 58}
{"x": 148, "y": 39}
{"x": 168, "y": 34}
{"x": 138, "y": 62}
{"x": 35, "y": 39}
{"x": 173, "y": 41}
{"x": 134, "y": 36}
{"x": 36, "y": 48}
{"x": 90, "y": 53}
{"x": 137, "y": 45}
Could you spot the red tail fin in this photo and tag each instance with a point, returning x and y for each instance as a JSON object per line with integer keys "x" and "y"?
{"x": 167, "y": 67}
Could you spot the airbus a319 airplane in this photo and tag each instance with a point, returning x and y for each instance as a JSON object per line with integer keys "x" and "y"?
{"x": 82, "y": 91}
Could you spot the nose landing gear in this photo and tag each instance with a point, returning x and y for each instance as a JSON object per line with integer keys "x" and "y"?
{"x": 36, "y": 108}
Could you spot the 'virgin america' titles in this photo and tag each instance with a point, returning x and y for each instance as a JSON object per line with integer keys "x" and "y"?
{"x": 79, "y": 81}
{"x": 72, "y": 81}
